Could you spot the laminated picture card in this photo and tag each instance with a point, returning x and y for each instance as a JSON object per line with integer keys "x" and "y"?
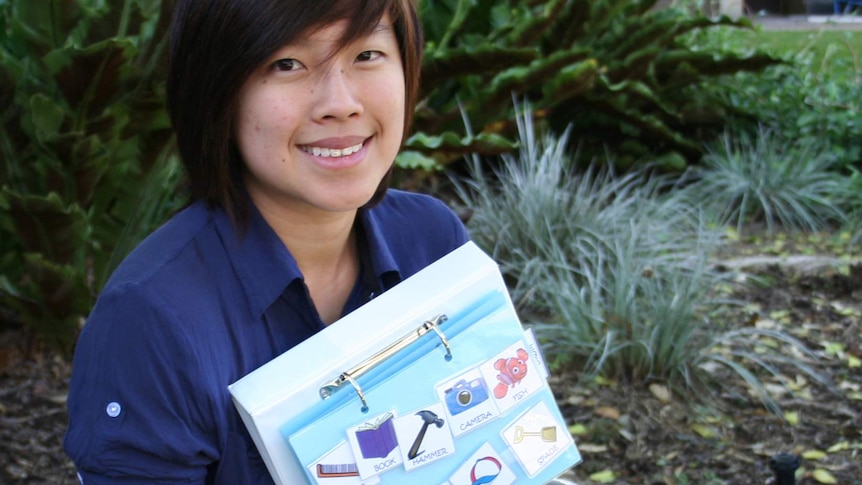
{"x": 433, "y": 382}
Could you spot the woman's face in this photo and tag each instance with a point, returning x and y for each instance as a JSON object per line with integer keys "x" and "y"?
{"x": 319, "y": 128}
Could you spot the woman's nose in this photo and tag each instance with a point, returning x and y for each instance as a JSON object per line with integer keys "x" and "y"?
{"x": 336, "y": 96}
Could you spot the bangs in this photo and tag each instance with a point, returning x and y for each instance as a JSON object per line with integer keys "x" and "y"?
{"x": 363, "y": 17}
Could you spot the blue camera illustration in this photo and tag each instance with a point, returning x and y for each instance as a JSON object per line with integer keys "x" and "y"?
{"x": 464, "y": 395}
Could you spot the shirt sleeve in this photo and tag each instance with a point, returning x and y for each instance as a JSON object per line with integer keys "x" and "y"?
{"x": 461, "y": 235}
{"x": 137, "y": 411}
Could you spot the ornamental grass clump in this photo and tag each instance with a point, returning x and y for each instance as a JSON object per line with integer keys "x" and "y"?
{"x": 638, "y": 321}
{"x": 851, "y": 197}
{"x": 537, "y": 214}
{"x": 766, "y": 179}
{"x": 613, "y": 271}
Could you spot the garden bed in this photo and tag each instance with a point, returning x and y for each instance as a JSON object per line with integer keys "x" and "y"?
{"x": 628, "y": 435}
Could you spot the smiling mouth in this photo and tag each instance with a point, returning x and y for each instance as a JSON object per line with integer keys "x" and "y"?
{"x": 332, "y": 152}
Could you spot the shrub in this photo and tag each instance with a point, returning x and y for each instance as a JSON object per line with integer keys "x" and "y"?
{"x": 86, "y": 146}
{"x": 813, "y": 101}
{"x": 618, "y": 71}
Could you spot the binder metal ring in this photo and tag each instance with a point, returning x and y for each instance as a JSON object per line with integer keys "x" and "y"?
{"x": 350, "y": 375}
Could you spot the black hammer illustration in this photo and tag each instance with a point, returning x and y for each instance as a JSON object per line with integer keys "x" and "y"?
{"x": 429, "y": 418}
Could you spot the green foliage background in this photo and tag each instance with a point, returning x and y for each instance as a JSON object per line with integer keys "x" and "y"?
{"x": 86, "y": 150}
{"x": 618, "y": 71}
{"x": 88, "y": 165}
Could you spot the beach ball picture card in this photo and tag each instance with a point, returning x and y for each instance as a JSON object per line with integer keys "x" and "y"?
{"x": 485, "y": 466}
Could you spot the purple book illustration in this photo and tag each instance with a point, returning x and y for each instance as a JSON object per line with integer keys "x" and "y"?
{"x": 377, "y": 440}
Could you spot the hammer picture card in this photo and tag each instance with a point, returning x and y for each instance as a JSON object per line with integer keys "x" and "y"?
{"x": 424, "y": 436}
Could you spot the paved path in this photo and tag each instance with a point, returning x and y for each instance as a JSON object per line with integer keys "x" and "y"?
{"x": 809, "y": 22}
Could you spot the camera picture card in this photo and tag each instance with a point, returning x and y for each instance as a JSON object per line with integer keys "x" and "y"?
{"x": 485, "y": 466}
{"x": 467, "y": 401}
{"x": 537, "y": 438}
{"x": 424, "y": 436}
{"x": 338, "y": 467}
{"x": 375, "y": 445}
{"x": 512, "y": 375}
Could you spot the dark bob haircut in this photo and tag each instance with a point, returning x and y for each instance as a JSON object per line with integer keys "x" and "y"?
{"x": 217, "y": 44}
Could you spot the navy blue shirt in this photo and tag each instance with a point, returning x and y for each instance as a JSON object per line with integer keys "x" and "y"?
{"x": 194, "y": 308}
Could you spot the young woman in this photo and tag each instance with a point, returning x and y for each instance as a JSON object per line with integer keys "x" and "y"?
{"x": 288, "y": 116}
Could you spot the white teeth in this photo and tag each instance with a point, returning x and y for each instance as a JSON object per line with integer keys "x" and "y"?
{"x": 332, "y": 152}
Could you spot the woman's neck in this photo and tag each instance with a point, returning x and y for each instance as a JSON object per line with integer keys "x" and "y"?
{"x": 324, "y": 247}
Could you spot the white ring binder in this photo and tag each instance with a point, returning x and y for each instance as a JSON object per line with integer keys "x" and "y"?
{"x": 306, "y": 438}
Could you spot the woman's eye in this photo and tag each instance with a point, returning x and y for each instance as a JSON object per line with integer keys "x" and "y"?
{"x": 287, "y": 65}
{"x": 368, "y": 55}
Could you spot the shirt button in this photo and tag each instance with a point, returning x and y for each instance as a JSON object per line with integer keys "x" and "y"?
{"x": 114, "y": 409}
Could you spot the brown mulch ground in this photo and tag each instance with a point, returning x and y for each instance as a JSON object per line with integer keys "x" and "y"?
{"x": 631, "y": 433}
{"x": 644, "y": 440}
{"x": 32, "y": 414}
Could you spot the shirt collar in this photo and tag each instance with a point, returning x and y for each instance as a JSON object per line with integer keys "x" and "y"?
{"x": 378, "y": 244}
{"x": 265, "y": 267}
{"x": 260, "y": 260}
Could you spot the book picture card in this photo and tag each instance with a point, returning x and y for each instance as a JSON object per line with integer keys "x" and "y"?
{"x": 375, "y": 445}
{"x": 338, "y": 467}
{"x": 537, "y": 438}
{"x": 484, "y": 466}
{"x": 467, "y": 401}
{"x": 512, "y": 376}
{"x": 424, "y": 436}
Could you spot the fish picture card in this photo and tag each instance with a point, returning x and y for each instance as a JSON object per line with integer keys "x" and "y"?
{"x": 483, "y": 467}
{"x": 424, "y": 436}
{"x": 338, "y": 467}
{"x": 375, "y": 445}
{"x": 512, "y": 375}
{"x": 467, "y": 401}
{"x": 537, "y": 438}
